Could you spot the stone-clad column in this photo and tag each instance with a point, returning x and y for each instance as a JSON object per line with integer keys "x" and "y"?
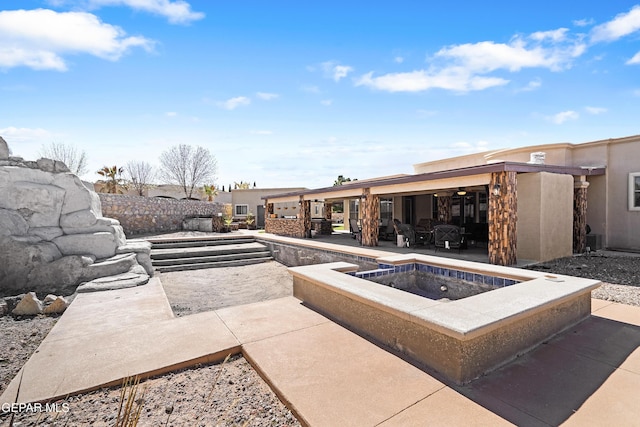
{"x": 580, "y": 215}
{"x": 502, "y": 215}
{"x": 269, "y": 211}
{"x": 370, "y": 217}
{"x": 305, "y": 216}
{"x": 328, "y": 206}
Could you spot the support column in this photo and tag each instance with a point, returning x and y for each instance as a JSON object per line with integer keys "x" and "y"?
{"x": 502, "y": 216}
{"x": 444, "y": 207}
{"x": 328, "y": 206}
{"x": 370, "y": 216}
{"x": 580, "y": 214}
{"x": 268, "y": 212}
{"x": 305, "y": 216}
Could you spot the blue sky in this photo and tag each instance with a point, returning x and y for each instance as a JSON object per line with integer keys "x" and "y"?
{"x": 290, "y": 93}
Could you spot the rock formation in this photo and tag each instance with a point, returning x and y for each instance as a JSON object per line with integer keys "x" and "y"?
{"x": 53, "y": 236}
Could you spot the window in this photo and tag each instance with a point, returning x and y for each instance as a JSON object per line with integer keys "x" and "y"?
{"x": 386, "y": 208}
{"x": 241, "y": 210}
{"x": 634, "y": 191}
{"x": 354, "y": 207}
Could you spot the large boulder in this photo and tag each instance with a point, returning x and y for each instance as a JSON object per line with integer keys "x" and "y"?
{"x": 52, "y": 230}
{"x": 77, "y": 196}
{"x": 78, "y": 219}
{"x": 101, "y": 244}
{"x": 12, "y": 223}
{"x": 46, "y": 233}
{"x": 4, "y": 149}
{"x": 142, "y": 249}
{"x": 61, "y": 276}
{"x": 101, "y": 224}
{"x": 39, "y": 204}
{"x": 19, "y": 258}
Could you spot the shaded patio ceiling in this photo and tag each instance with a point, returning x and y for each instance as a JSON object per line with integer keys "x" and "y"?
{"x": 429, "y": 182}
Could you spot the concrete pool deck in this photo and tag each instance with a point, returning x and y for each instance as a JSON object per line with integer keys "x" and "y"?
{"x": 328, "y": 375}
{"x": 589, "y": 375}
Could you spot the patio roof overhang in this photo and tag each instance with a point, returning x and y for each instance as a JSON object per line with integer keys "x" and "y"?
{"x": 427, "y": 182}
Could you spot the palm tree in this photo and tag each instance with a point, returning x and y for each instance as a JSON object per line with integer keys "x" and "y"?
{"x": 210, "y": 191}
{"x": 113, "y": 180}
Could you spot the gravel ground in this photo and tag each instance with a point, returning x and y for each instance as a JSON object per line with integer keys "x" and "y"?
{"x": 618, "y": 271}
{"x": 185, "y": 398}
{"x": 226, "y": 394}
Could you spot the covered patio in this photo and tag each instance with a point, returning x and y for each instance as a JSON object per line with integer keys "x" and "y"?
{"x": 530, "y": 211}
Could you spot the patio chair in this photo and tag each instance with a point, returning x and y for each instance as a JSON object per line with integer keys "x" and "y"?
{"x": 386, "y": 231}
{"x": 425, "y": 228}
{"x": 355, "y": 230}
{"x": 410, "y": 233}
{"x": 447, "y": 237}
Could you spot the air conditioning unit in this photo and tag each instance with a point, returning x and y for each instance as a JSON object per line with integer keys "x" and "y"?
{"x": 537, "y": 158}
{"x": 594, "y": 241}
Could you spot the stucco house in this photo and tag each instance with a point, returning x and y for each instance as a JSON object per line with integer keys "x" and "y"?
{"x": 536, "y": 203}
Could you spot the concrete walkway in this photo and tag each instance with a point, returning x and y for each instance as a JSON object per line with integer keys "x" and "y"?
{"x": 329, "y": 376}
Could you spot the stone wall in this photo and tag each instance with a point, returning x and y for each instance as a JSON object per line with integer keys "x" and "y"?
{"x": 143, "y": 215}
{"x": 285, "y": 227}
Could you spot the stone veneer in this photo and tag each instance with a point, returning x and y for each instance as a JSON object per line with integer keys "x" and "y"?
{"x": 138, "y": 215}
{"x": 285, "y": 227}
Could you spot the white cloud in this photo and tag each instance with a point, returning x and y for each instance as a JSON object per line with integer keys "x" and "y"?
{"x": 40, "y": 38}
{"x": 455, "y": 78}
{"x": 336, "y": 71}
{"x": 233, "y": 103}
{"x": 595, "y": 110}
{"x": 177, "y": 12}
{"x": 326, "y": 102}
{"x": 398, "y": 59}
{"x": 267, "y": 96}
{"x": 465, "y": 67}
{"x": 171, "y": 114}
{"x": 582, "y": 22}
{"x": 12, "y": 133}
{"x": 623, "y": 24}
{"x": 485, "y": 57}
{"x": 634, "y": 60}
{"x": 554, "y": 35}
{"x": 563, "y": 117}
{"x": 532, "y": 85}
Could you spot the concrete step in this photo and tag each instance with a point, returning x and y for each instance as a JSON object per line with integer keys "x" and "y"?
{"x": 232, "y": 263}
{"x": 192, "y": 242}
{"x": 205, "y": 251}
{"x": 210, "y": 258}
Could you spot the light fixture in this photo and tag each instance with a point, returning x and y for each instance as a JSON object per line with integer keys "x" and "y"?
{"x": 435, "y": 194}
{"x": 496, "y": 189}
{"x": 461, "y": 191}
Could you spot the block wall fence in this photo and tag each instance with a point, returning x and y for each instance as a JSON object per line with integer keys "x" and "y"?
{"x": 143, "y": 215}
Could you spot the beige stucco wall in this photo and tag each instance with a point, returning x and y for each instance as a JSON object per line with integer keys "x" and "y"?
{"x": 623, "y": 225}
{"x": 252, "y": 197}
{"x": 545, "y": 216}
